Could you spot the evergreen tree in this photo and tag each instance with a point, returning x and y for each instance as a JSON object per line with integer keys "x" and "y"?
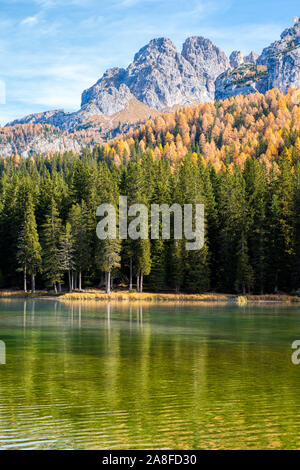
{"x": 143, "y": 261}
{"x": 257, "y": 198}
{"x": 66, "y": 253}
{"x": 29, "y": 248}
{"x": 108, "y": 258}
{"x": 79, "y": 220}
{"x": 52, "y": 229}
{"x": 176, "y": 265}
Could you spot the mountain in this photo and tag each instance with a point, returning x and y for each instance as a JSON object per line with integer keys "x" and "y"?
{"x": 237, "y": 58}
{"x": 277, "y": 67}
{"x": 160, "y": 79}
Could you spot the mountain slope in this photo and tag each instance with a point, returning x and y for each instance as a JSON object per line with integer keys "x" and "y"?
{"x": 161, "y": 79}
{"x": 223, "y": 133}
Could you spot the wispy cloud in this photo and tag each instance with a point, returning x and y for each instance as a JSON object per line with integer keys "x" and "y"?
{"x": 30, "y": 21}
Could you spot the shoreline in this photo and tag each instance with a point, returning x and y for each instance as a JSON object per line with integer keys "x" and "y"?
{"x": 126, "y": 296}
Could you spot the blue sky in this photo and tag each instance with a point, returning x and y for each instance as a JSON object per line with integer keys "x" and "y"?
{"x": 51, "y": 50}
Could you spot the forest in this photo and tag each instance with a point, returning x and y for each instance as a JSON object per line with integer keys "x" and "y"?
{"x": 240, "y": 158}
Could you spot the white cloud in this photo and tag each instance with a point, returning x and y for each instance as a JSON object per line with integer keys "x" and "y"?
{"x": 30, "y": 21}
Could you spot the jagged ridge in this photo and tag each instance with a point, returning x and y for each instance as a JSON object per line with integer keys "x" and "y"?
{"x": 161, "y": 79}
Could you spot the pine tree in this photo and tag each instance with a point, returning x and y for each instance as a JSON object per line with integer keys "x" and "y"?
{"x": 157, "y": 278}
{"x": 143, "y": 261}
{"x": 29, "y": 248}
{"x": 79, "y": 220}
{"x": 234, "y": 220}
{"x": 196, "y": 277}
{"x": 66, "y": 253}
{"x": 176, "y": 264}
{"x": 52, "y": 229}
{"x": 108, "y": 258}
{"x": 244, "y": 272}
{"x": 81, "y": 182}
{"x": 257, "y": 198}
{"x": 282, "y": 230}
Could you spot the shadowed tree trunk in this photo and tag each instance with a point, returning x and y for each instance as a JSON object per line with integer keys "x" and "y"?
{"x": 130, "y": 275}
{"x": 32, "y": 283}
{"x": 79, "y": 281}
{"x": 107, "y": 278}
{"x": 25, "y": 280}
{"x": 141, "y": 283}
{"x": 70, "y": 281}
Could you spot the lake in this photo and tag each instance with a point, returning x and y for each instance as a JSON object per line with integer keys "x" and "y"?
{"x": 165, "y": 376}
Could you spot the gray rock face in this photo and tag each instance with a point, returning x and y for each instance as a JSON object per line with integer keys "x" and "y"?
{"x": 236, "y": 59}
{"x": 207, "y": 60}
{"x": 108, "y": 96}
{"x": 251, "y": 58}
{"x": 242, "y": 81}
{"x": 160, "y": 77}
{"x": 277, "y": 67}
{"x": 48, "y": 117}
{"x": 282, "y": 59}
{"x": 58, "y": 118}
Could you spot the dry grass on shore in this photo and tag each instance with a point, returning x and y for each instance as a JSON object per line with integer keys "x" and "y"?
{"x": 20, "y": 294}
{"x": 144, "y": 296}
{"x": 273, "y": 298}
{"x": 123, "y": 295}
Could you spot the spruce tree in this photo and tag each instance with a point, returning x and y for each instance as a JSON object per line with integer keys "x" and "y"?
{"x": 29, "y": 248}
{"x": 79, "y": 220}
{"x": 52, "y": 229}
{"x": 66, "y": 253}
{"x": 108, "y": 258}
{"x": 143, "y": 261}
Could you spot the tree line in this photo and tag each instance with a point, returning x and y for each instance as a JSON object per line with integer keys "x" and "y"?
{"x": 252, "y": 223}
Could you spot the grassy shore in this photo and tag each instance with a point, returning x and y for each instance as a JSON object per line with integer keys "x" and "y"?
{"x": 123, "y": 295}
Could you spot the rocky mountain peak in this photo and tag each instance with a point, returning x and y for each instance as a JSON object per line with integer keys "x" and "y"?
{"x": 251, "y": 58}
{"x": 236, "y": 59}
{"x": 112, "y": 73}
{"x": 282, "y": 59}
{"x": 155, "y": 47}
{"x": 204, "y": 56}
{"x": 277, "y": 67}
{"x": 161, "y": 78}
{"x": 294, "y": 31}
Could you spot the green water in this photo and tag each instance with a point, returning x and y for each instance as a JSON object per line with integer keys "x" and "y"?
{"x": 135, "y": 377}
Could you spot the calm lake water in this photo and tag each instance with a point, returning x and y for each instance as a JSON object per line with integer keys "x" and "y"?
{"x": 97, "y": 376}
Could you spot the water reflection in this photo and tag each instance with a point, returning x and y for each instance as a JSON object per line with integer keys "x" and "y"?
{"x": 117, "y": 375}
